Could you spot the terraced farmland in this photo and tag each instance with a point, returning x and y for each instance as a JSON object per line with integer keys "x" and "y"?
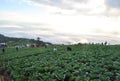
{"x": 83, "y": 63}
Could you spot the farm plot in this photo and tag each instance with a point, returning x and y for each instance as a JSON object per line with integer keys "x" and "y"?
{"x": 83, "y": 63}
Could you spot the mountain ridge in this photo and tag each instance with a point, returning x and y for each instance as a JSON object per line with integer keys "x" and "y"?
{"x": 12, "y": 41}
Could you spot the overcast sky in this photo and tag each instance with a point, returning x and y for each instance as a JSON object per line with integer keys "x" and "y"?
{"x": 62, "y": 21}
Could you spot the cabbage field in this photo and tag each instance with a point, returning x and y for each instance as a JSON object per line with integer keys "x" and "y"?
{"x": 83, "y": 63}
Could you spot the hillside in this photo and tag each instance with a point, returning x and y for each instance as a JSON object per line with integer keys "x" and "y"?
{"x": 11, "y": 41}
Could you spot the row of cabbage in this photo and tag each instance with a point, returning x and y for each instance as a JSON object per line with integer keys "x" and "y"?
{"x": 83, "y": 63}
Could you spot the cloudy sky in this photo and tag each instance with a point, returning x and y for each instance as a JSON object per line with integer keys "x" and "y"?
{"x": 62, "y": 21}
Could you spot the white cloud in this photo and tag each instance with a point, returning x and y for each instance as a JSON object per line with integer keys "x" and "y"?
{"x": 73, "y": 7}
{"x": 81, "y": 19}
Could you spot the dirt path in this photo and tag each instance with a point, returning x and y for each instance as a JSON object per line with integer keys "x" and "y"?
{"x": 2, "y": 78}
{"x": 4, "y": 75}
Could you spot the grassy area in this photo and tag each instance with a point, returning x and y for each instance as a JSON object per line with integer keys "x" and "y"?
{"x": 83, "y": 63}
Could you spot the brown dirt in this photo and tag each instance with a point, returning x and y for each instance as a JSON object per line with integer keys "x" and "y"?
{"x": 4, "y": 76}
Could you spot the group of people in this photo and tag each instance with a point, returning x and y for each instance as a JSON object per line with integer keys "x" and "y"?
{"x": 68, "y": 49}
{"x": 3, "y": 49}
{"x": 54, "y": 49}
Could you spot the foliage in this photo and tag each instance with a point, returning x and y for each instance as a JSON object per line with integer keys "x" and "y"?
{"x": 83, "y": 63}
{"x": 12, "y": 41}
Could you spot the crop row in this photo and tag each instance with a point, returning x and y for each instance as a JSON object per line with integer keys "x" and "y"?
{"x": 83, "y": 63}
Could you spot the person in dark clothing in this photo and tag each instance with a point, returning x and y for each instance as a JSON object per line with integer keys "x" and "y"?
{"x": 3, "y": 50}
{"x": 16, "y": 48}
{"x": 69, "y": 49}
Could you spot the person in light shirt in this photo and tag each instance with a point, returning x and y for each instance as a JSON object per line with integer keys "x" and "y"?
{"x": 54, "y": 49}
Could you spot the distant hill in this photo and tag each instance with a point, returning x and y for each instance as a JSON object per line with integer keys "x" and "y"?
{"x": 12, "y": 41}
{"x": 2, "y": 36}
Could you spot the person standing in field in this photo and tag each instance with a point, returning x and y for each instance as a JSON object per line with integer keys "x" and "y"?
{"x": 17, "y": 48}
{"x": 54, "y": 49}
{"x": 3, "y": 50}
{"x": 69, "y": 49}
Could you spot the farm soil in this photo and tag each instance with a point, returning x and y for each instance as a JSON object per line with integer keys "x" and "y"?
{"x": 4, "y": 76}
